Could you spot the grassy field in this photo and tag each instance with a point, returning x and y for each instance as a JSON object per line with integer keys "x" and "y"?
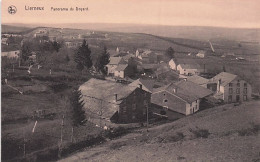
{"x": 224, "y": 133}
{"x": 40, "y": 92}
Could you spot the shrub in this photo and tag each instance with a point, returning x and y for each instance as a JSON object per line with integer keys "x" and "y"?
{"x": 249, "y": 131}
{"x": 200, "y": 133}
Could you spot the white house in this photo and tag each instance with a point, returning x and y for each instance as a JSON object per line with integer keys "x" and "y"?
{"x": 113, "y": 64}
{"x": 173, "y": 64}
{"x": 121, "y": 71}
{"x": 189, "y": 69}
{"x": 232, "y": 88}
{"x": 11, "y": 54}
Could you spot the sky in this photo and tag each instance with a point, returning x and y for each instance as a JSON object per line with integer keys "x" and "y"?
{"x": 220, "y": 13}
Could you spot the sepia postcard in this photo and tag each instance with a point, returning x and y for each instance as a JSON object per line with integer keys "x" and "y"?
{"x": 130, "y": 80}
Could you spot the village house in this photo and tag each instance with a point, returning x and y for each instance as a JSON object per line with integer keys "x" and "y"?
{"x": 183, "y": 97}
{"x": 113, "y": 64}
{"x": 114, "y": 102}
{"x": 201, "y": 54}
{"x": 123, "y": 70}
{"x": 11, "y": 54}
{"x": 4, "y": 41}
{"x": 70, "y": 44}
{"x": 189, "y": 69}
{"x": 173, "y": 64}
{"x": 231, "y": 88}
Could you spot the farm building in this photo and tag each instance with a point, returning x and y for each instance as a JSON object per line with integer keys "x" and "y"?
{"x": 231, "y": 88}
{"x": 198, "y": 80}
{"x": 189, "y": 69}
{"x": 11, "y": 54}
{"x": 114, "y": 102}
{"x": 113, "y": 64}
{"x": 183, "y": 97}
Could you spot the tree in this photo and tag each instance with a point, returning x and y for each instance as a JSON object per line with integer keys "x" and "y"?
{"x": 78, "y": 114}
{"x": 170, "y": 52}
{"x": 102, "y": 61}
{"x": 26, "y": 52}
{"x": 83, "y": 56}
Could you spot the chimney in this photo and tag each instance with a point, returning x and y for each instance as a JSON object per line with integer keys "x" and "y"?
{"x": 116, "y": 97}
{"x": 140, "y": 86}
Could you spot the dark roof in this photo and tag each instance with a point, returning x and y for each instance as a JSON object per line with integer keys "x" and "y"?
{"x": 121, "y": 67}
{"x": 147, "y": 84}
{"x": 190, "y": 66}
{"x": 224, "y": 77}
{"x": 197, "y": 79}
{"x": 115, "y": 60}
{"x": 186, "y": 90}
{"x": 97, "y": 90}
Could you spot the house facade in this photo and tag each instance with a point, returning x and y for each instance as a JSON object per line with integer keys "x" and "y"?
{"x": 114, "y": 102}
{"x": 113, "y": 64}
{"x": 183, "y": 97}
{"x": 232, "y": 88}
{"x": 173, "y": 64}
{"x": 189, "y": 69}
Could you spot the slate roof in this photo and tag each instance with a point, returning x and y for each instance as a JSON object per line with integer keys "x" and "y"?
{"x": 197, "y": 79}
{"x": 225, "y": 78}
{"x": 115, "y": 60}
{"x": 121, "y": 67}
{"x": 147, "y": 84}
{"x": 95, "y": 90}
{"x": 186, "y": 90}
{"x": 190, "y": 66}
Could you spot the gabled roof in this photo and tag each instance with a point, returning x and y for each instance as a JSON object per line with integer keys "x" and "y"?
{"x": 104, "y": 90}
{"x": 147, "y": 84}
{"x": 186, "y": 90}
{"x": 115, "y": 60}
{"x": 190, "y": 66}
{"x": 121, "y": 67}
{"x": 197, "y": 79}
{"x": 224, "y": 77}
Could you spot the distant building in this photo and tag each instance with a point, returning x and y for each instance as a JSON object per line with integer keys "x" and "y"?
{"x": 70, "y": 44}
{"x": 11, "y": 54}
{"x": 113, "y": 64}
{"x": 201, "y": 54}
{"x": 183, "y": 97}
{"x": 4, "y": 41}
{"x": 189, "y": 69}
{"x": 173, "y": 64}
{"x": 114, "y": 102}
{"x": 232, "y": 88}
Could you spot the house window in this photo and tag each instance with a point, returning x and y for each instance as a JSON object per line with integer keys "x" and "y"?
{"x": 164, "y": 94}
{"x": 245, "y": 91}
{"x": 230, "y": 90}
{"x": 133, "y": 106}
{"x": 145, "y": 103}
{"x": 230, "y": 98}
{"x": 165, "y": 100}
{"x": 237, "y": 98}
{"x": 238, "y": 90}
{"x": 230, "y": 84}
{"x": 124, "y": 109}
{"x": 238, "y": 84}
{"x": 245, "y": 84}
{"x": 245, "y": 97}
